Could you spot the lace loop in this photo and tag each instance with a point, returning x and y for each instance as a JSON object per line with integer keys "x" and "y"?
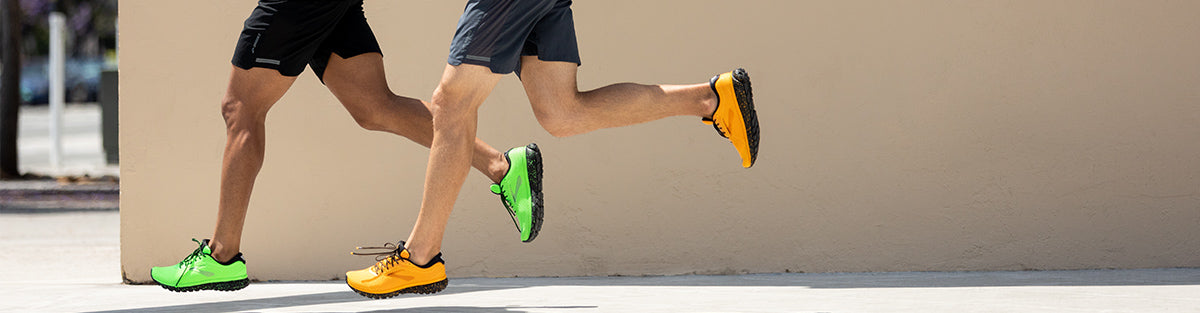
{"x": 716, "y": 125}
{"x": 384, "y": 259}
{"x": 196, "y": 254}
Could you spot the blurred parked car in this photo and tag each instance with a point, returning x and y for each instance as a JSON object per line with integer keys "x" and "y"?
{"x": 80, "y": 75}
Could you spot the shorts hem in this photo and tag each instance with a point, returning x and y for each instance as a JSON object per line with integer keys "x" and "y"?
{"x": 457, "y": 62}
{"x": 276, "y": 68}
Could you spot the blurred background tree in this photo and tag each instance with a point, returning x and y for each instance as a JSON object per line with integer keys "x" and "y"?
{"x": 91, "y": 26}
{"x": 90, "y": 42}
{"x": 10, "y": 76}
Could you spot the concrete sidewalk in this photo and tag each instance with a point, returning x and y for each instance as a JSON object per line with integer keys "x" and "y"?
{"x": 1074, "y": 291}
{"x": 68, "y": 262}
{"x": 82, "y": 181}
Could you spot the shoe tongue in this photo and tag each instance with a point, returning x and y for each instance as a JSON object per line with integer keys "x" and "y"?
{"x": 496, "y": 188}
{"x": 206, "y": 249}
{"x": 403, "y": 247}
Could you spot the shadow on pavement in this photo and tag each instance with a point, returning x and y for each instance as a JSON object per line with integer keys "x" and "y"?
{"x": 1148, "y": 277}
{"x": 255, "y": 304}
{"x": 303, "y": 300}
{"x": 467, "y": 309}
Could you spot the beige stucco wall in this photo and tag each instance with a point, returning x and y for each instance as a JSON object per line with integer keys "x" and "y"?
{"x": 898, "y": 136}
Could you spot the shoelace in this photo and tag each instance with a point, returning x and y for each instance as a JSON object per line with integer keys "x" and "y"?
{"x": 196, "y": 254}
{"x": 384, "y": 259}
{"x": 507, "y": 200}
{"x": 721, "y": 129}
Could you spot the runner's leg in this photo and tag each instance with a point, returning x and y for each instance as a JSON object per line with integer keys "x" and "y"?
{"x": 361, "y": 86}
{"x": 250, "y": 94}
{"x": 565, "y": 111}
{"x": 455, "y": 108}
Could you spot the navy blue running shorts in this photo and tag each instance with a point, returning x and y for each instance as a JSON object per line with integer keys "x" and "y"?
{"x": 496, "y": 33}
{"x": 286, "y": 35}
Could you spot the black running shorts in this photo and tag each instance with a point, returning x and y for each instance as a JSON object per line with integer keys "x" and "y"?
{"x": 287, "y": 34}
{"x": 496, "y": 33}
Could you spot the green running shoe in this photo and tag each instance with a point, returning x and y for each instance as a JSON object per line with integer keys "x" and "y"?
{"x": 200, "y": 271}
{"x": 521, "y": 189}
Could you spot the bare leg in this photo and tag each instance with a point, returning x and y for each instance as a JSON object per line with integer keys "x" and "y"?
{"x": 361, "y": 86}
{"x": 250, "y": 95}
{"x": 455, "y": 115}
{"x": 564, "y": 111}
{"x": 559, "y": 107}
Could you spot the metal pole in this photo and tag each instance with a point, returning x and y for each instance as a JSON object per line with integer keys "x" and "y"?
{"x": 57, "y": 86}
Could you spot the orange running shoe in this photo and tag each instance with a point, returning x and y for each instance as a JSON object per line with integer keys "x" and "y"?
{"x": 735, "y": 117}
{"x": 395, "y": 274}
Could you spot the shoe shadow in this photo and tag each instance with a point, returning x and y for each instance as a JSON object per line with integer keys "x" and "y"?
{"x": 467, "y": 309}
{"x": 346, "y": 296}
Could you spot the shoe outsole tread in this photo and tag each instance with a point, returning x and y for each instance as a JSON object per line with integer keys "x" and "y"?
{"x": 745, "y": 98}
{"x": 218, "y": 286}
{"x": 533, "y": 155}
{"x": 422, "y": 289}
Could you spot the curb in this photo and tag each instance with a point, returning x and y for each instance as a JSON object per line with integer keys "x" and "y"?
{"x": 48, "y": 196}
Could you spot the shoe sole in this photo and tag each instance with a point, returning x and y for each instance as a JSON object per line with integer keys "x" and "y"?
{"x": 745, "y": 98}
{"x": 218, "y": 286}
{"x": 533, "y": 157}
{"x": 422, "y": 289}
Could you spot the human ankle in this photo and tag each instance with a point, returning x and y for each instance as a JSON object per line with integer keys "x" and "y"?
{"x": 709, "y": 102}
{"x": 421, "y": 257}
{"x": 221, "y": 253}
{"x": 498, "y": 169}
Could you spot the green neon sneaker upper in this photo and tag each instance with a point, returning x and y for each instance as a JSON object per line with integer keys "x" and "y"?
{"x": 521, "y": 189}
{"x": 200, "y": 271}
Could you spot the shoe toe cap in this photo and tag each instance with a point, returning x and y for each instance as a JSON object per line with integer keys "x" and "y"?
{"x": 359, "y": 275}
{"x": 165, "y": 275}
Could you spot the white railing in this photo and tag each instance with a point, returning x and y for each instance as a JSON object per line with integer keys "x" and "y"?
{"x": 56, "y": 62}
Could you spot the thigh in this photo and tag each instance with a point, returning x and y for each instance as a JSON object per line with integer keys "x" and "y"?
{"x": 254, "y": 91}
{"x": 358, "y": 82}
{"x": 284, "y": 35}
{"x": 549, "y": 84}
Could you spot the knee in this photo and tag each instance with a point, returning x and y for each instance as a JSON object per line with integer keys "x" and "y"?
{"x": 238, "y": 115}
{"x": 368, "y": 120}
{"x": 557, "y": 127}
{"x": 372, "y": 110}
{"x": 244, "y": 126}
{"x": 449, "y": 109}
{"x": 558, "y": 120}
